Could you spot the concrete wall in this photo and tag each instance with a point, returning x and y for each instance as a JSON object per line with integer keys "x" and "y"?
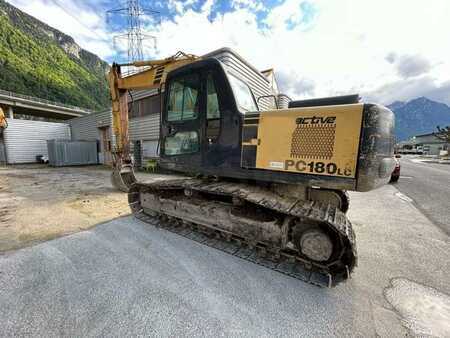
{"x": 86, "y": 128}
{"x": 25, "y": 139}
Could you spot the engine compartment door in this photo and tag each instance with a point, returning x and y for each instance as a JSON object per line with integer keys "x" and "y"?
{"x": 315, "y": 140}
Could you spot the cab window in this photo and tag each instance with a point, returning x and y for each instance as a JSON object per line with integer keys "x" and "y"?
{"x": 212, "y": 110}
{"x": 243, "y": 94}
{"x": 212, "y": 102}
{"x": 185, "y": 142}
{"x": 183, "y": 102}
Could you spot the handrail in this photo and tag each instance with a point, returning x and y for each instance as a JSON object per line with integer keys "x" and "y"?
{"x": 37, "y": 99}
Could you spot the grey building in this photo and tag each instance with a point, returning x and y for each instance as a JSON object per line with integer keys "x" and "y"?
{"x": 429, "y": 144}
{"x": 145, "y": 113}
{"x": 23, "y": 140}
{"x": 31, "y": 122}
{"x": 426, "y": 144}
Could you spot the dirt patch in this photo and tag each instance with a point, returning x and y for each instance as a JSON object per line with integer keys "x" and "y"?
{"x": 39, "y": 203}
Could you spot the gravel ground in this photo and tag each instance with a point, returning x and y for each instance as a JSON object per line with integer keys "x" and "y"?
{"x": 125, "y": 278}
{"x": 39, "y": 203}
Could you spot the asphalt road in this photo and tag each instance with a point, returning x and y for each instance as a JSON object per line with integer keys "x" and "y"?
{"x": 428, "y": 184}
{"x": 125, "y": 278}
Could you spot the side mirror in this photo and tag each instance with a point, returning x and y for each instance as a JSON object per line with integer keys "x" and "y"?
{"x": 398, "y": 156}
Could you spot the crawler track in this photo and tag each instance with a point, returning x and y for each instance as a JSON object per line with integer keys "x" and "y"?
{"x": 247, "y": 221}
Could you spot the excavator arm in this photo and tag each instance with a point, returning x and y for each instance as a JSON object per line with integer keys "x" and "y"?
{"x": 152, "y": 77}
{"x": 3, "y": 121}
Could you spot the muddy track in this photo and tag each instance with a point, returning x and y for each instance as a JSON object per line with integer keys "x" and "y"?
{"x": 189, "y": 207}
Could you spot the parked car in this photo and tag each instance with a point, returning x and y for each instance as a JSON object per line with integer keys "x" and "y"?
{"x": 396, "y": 173}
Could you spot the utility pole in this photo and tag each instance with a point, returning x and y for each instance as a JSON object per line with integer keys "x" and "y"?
{"x": 133, "y": 11}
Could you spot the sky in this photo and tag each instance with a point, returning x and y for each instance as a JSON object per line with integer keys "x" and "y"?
{"x": 385, "y": 50}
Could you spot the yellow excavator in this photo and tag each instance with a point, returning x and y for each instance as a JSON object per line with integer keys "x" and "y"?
{"x": 266, "y": 186}
{"x": 3, "y": 121}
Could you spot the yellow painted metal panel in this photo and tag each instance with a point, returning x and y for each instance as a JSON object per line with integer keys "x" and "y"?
{"x": 313, "y": 140}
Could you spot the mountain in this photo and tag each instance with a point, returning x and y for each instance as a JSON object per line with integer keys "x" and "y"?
{"x": 418, "y": 116}
{"x": 38, "y": 60}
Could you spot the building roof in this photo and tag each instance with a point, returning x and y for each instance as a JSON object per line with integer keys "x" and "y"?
{"x": 422, "y": 135}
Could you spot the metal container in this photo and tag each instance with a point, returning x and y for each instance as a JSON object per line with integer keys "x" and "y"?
{"x": 66, "y": 153}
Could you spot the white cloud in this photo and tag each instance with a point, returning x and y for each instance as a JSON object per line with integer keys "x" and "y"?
{"x": 382, "y": 49}
{"x": 403, "y": 90}
{"x": 409, "y": 65}
{"x": 342, "y": 50}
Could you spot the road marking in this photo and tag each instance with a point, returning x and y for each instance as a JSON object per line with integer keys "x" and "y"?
{"x": 403, "y": 197}
{"x": 406, "y": 177}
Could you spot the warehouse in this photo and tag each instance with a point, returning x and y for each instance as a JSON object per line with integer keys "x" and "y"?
{"x": 145, "y": 113}
{"x": 32, "y": 121}
{"x": 25, "y": 140}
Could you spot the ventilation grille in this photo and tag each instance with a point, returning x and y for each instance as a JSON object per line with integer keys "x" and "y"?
{"x": 313, "y": 141}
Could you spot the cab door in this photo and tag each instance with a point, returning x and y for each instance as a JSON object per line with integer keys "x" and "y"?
{"x": 212, "y": 120}
{"x": 182, "y": 128}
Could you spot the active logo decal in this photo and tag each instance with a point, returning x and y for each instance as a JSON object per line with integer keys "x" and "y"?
{"x": 314, "y": 137}
{"x": 316, "y": 120}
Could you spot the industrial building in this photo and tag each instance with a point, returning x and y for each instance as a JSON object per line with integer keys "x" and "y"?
{"x": 426, "y": 144}
{"x": 430, "y": 144}
{"x": 29, "y": 127}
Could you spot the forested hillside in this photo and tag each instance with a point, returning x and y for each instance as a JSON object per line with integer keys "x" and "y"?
{"x": 40, "y": 61}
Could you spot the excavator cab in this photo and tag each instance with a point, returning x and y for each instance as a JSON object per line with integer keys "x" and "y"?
{"x": 200, "y": 127}
{"x": 211, "y": 125}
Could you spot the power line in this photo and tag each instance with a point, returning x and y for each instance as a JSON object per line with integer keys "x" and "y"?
{"x": 133, "y": 11}
{"x": 75, "y": 18}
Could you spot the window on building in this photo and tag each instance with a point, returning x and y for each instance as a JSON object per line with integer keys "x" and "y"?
{"x": 183, "y": 103}
{"x": 185, "y": 142}
{"x": 151, "y": 105}
{"x": 243, "y": 94}
{"x": 144, "y": 107}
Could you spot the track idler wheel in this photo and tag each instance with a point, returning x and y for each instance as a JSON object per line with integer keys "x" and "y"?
{"x": 313, "y": 242}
